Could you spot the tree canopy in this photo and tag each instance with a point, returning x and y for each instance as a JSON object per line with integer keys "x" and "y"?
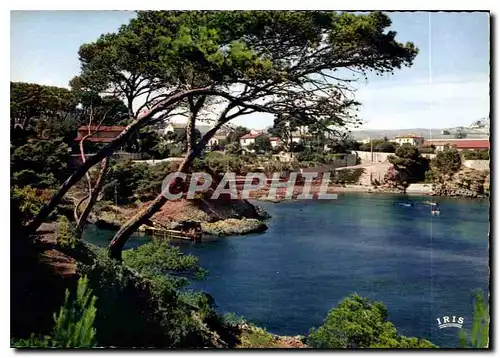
{"x": 262, "y": 144}
{"x": 357, "y": 322}
{"x": 408, "y": 166}
{"x": 218, "y": 65}
{"x": 32, "y": 101}
{"x": 447, "y": 161}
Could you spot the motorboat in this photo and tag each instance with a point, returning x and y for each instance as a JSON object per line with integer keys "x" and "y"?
{"x": 430, "y": 203}
{"x": 405, "y": 204}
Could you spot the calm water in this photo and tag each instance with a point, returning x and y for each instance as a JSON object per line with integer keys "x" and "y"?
{"x": 317, "y": 252}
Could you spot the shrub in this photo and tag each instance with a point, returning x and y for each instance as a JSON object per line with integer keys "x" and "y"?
{"x": 348, "y": 176}
{"x": 155, "y": 312}
{"x": 257, "y": 338}
{"x": 357, "y": 322}
{"x": 66, "y": 235}
{"x": 166, "y": 265}
{"x": 127, "y": 180}
{"x": 476, "y": 154}
{"x": 73, "y": 324}
{"x": 479, "y": 335}
{"x": 49, "y": 157}
{"x": 233, "y": 319}
{"x": 27, "y": 201}
{"x": 447, "y": 161}
{"x": 428, "y": 149}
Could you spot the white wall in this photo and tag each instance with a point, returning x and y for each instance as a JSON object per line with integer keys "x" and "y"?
{"x": 246, "y": 142}
{"x": 380, "y": 157}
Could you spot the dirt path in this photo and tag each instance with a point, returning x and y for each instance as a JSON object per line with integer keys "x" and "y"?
{"x": 58, "y": 262}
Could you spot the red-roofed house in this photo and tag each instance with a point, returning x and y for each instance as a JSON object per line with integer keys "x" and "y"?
{"x": 459, "y": 144}
{"x": 249, "y": 138}
{"x": 275, "y": 142}
{"x": 410, "y": 139}
{"x": 104, "y": 134}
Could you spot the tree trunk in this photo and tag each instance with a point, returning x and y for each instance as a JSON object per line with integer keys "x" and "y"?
{"x": 77, "y": 207}
{"x": 116, "y": 246}
{"x": 93, "y": 196}
{"x": 194, "y": 108}
{"x": 104, "y": 152}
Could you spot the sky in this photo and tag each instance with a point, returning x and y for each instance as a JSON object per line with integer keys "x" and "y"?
{"x": 447, "y": 86}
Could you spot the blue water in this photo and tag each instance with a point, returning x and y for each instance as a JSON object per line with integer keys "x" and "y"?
{"x": 315, "y": 253}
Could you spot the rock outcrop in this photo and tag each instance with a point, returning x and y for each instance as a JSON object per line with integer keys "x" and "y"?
{"x": 231, "y": 227}
{"x": 217, "y": 217}
{"x": 465, "y": 183}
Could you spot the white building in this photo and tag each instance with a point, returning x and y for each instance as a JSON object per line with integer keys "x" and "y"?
{"x": 411, "y": 139}
{"x": 249, "y": 138}
{"x": 275, "y": 142}
{"x": 174, "y": 127}
{"x": 216, "y": 140}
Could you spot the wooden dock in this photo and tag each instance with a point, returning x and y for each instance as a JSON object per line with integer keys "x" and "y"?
{"x": 172, "y": 234}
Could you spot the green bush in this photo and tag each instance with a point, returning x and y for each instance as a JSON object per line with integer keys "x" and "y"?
{"x": 479, "y": 335}
{"x": 483, "y": 154}
{"x": 166, "y": 265}
{"x": 431, "y": 176}
{"x": 127, "y": 181}
{"x": 428, "y": 149}
{"x": 233, "y": 319}
{"x": 75, "y": 320}
{"x": 447, "y": 161}
{"x": 27, "y": 201}
{"x": 348, "y": 176}
{"x": 66, "y": 234}
{"x": 357, "y": 322}
{"x": 27, "y": 177}
{"x": 47, "y": 158}
{"x": 146, "y": 297}
{"x": 73, "y": 324}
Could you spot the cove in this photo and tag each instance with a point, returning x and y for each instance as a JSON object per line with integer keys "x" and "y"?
{"x": 316, "y": 252}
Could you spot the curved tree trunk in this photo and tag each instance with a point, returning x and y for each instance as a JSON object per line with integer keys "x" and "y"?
{"x": 77, "y": 207}
{"x": 93, "y": 196}
{"x": 104, "y": 152}
{"x": 116, "y": 246}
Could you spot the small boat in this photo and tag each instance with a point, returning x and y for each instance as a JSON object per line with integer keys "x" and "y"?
{"x": 405, "y": 204}
{"x": 430, "y": 203}
{"x": 435, "y": 212}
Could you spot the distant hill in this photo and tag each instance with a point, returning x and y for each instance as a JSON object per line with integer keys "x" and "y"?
{"x": 436, "y": 133}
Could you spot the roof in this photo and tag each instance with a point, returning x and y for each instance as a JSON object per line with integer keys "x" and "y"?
{"x": 251, "y": 136}
{"x": 97, "y": 139}
{"x": 103, "y": 128}
{"x": 99, "y": 129}
{"x": 461, "y": 143}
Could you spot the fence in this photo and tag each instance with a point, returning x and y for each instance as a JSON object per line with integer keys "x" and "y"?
{"x": 380, "y": 157}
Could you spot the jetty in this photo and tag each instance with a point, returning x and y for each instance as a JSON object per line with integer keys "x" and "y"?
{"x": 189, "y": 234}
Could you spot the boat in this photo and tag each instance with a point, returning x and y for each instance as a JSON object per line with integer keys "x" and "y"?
{"x": 430, "y": 203}
{"x": 435, "y": 212}
{"x": 405, "y": 204}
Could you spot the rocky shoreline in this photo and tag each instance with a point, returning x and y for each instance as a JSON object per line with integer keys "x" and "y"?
{"x": 234, "y": 217}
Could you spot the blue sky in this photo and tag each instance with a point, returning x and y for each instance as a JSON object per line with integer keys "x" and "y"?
{"x": 448, "y": 84}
